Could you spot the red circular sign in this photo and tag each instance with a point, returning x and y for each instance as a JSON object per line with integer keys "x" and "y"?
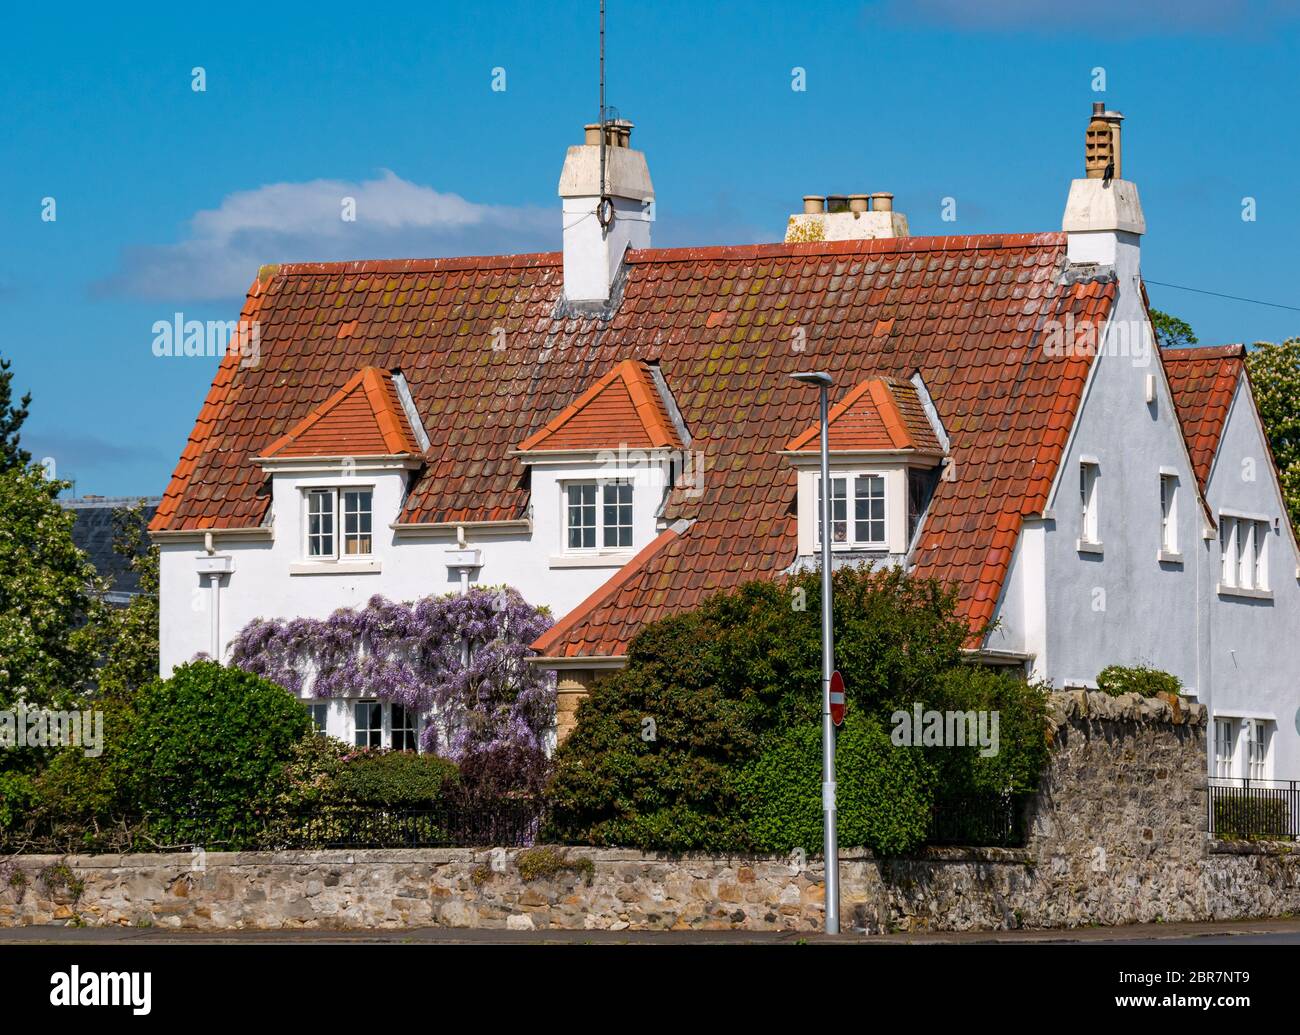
{"x": 837, "y": 698}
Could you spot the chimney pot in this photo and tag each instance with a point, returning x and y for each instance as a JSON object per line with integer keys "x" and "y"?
{"x": 1101, "y": 147}
{"x": 882, "y": 201}
{"x": 592, "y": 138}
{"x": 837, "y": 202}
{"x": 859, "y": 202}
{"x": 814, "y": 204}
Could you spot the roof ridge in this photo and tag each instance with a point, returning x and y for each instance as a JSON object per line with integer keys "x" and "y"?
{"x": 451, "y": 263}
{"x": 867, "y": 246}
{"x": 1196, "y": 352}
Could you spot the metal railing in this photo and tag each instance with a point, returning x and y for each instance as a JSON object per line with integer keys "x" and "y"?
{"x": 1242, "y": 809}
{"x": 979, "y": 820}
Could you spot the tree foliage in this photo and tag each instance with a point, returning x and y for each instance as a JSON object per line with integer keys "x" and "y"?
{"x": 1170, "y": 331}
{"x": 668, "y": 753}
{"x": 12, "y": 457}
{"x": 1275, "y": 377}
{"x": 129, "y": 635}
{"x": 50, "y": 596}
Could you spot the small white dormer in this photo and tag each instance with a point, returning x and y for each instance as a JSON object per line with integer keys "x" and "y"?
{"x": 339, "y": 476}
{"x": 602, "y": 467}
{"x": 886, "y": 453}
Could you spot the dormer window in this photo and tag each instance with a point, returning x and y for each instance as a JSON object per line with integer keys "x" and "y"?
{"x": 600, "y": 469}
{"x": 886, "y": 451}
{"x": 349, "y": 456}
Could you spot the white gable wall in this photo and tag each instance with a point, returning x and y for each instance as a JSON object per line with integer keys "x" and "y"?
{"x": 1254, "y": 644}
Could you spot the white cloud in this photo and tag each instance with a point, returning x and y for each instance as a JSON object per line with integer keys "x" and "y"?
{"x": 303, "y": 222}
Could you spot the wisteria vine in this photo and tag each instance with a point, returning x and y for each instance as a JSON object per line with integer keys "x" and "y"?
{"x": 461, "y": 660}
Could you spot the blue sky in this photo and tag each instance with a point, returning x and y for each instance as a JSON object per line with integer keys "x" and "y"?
{"x": 168, "y": 199}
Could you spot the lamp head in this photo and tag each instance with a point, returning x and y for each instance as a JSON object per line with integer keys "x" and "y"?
{"x": 814, "y": 378}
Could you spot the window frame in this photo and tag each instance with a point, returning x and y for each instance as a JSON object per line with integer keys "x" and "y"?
{"x": 850, "y": 520}
{"x": 1258, "y": 742}
{"x": 337, "y": 495}
{"x": 1244, "y": 554}
{"x": 600, "y": 528}
{"x": 1169, "y": 515}
{"x": 321, "y": 725}
{"x": 388, "y": 729}
{"x": 1089, "y": 503}
{"x": 1225, "y": 748}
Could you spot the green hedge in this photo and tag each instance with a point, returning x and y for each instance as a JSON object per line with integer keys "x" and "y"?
{"x": 884, "y": 794}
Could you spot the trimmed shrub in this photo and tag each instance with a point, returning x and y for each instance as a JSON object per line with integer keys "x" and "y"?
{"x": 209, "y": 749}
{"x": 1022, "y": 746}
{"x": 1137, "y": 679}
{"x": 394, "y": 779}
{"x": 883, "y": 794}
{"x": 659, "y": 750}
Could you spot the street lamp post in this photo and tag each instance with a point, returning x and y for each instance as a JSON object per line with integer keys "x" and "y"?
{"x": 830, "y": 847}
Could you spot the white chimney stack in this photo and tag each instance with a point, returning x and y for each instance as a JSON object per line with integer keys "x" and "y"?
{"x": 601, "y": 224}
{"x": 846, "y": 217}
{"x": 1103, "y": 216}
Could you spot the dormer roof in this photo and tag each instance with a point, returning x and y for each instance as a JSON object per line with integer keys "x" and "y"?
{"x": 625, "y": 408}
{"x": 363, "y": 418}
{"x": 878, "y": 415}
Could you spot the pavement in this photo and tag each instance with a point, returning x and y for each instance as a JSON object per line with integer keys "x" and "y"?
{"x": 1224, "y": 932}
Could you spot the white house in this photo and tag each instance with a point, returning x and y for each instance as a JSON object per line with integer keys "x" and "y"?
{"x": 611, "y": 429}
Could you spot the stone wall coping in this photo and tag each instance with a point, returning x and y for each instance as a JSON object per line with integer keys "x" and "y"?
{"x": 1170, "y": 709}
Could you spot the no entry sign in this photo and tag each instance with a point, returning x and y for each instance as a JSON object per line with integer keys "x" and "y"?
{"x": 837, "y": 698}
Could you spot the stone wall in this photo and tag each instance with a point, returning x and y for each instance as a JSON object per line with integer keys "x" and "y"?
{"x": 1117, "y": 836}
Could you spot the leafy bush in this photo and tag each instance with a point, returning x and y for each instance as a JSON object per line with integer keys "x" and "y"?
{"x": 1137, "y": 679}
{"x": 211, "y": 745}
{"x": 658, "y": 757}
{"x": 394, "y": 779}
{"x": 504, "y": 770}
{"x": 1247, "y": 817}
{"x": 80, "y": 787}
{"x": 18, "y": 797}
{"x": 1022, "y": 747}
{"x": 883, "y": 794}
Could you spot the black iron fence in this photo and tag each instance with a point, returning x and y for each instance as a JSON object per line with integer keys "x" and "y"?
{"x": 980, "y": 820}
{"x": 1244, "y": 809}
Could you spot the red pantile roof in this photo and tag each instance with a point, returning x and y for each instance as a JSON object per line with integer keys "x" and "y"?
{"x": 1203, "y": 382}
{"x": 623, "y": 408}
{"x": 881, "y": 414}
{"x": 363, "y": 418}
{"x": 727, "y": 325}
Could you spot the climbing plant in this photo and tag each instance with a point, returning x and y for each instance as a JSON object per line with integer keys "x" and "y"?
{"x": 460, "y": 660}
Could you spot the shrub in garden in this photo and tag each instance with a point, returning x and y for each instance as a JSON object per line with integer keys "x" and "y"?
{"x": 209, "y": 749}
{"x": 394, "y": 779}
{"x": 884, "y": 793}
{"x": 658, "y": 755}
{"x": 1245, "y": 816}
{"x": 1137, "y": 679}
{"x": 1021, "y": 709}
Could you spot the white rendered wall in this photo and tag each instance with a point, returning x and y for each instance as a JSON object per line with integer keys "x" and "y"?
{"x": 1253, "y": 644}
{"x": 262, "y": 583}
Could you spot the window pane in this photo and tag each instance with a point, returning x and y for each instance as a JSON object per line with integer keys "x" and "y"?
{"x": 356, "y": 522}
{"x": 320, "y": 523}
{"x": 618, "y": 514}
{"x": 1226, "y": 549}
{"x": 369, "y": 721}
{"x": 582, "y": 516}
{"x": 1245, "y": 560}
{"x": 839, "y": 511}
{"x": 869, "y": 509}
{"x": 403, "y": 729}
{"x": 319, "y": 712}
{"x": 1261, "y": 555}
